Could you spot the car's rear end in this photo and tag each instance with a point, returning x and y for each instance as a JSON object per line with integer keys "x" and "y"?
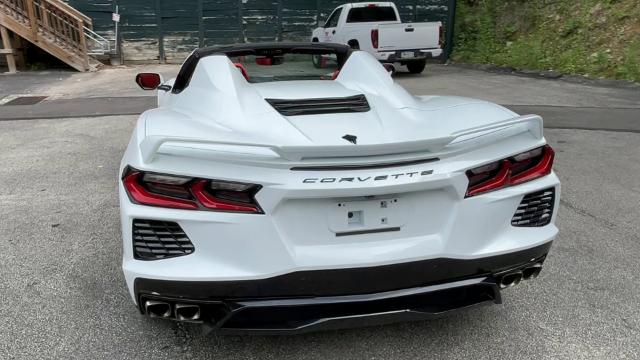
{"x": 270, "y": 248}
{"x": 359, "y": 207}
{"x": 407, "y": 42}
{"x": 391, "y": 40}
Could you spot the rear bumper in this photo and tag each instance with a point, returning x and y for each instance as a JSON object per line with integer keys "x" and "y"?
{"x": 418, "y": 54}
{"x": 328, "y": 299}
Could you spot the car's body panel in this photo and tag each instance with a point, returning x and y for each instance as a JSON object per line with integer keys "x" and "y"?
{"x": 413, "y": 153}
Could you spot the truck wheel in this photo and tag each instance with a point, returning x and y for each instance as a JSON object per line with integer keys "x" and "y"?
{"x": 416, "y": 67}
{"x": 317, "y": 61}
{"x": 354, "y": 44}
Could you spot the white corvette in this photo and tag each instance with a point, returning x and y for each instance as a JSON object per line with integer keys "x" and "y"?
{"x": 264, "y": 194}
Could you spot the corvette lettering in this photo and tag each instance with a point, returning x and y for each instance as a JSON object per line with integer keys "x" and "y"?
{"x": 362, "y": 179}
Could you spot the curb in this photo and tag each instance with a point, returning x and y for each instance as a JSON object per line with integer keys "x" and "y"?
{"x": 551, "y": 75}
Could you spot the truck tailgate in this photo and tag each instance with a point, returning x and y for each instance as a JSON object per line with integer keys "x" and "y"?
{"x": 425, "y": 35}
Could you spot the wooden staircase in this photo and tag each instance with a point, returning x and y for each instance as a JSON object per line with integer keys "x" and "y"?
{"x": 52, "y": 25}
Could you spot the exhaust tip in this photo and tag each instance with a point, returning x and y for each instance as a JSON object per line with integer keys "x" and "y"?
{"x": 158, "y": 309}
{"x": 532, "y": 272}
{"x": 187, "y": 312}
{"x": 510, "y": 279}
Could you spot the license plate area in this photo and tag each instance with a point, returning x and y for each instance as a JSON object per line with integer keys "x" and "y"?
{"x": 364, "y": 215}
{"x": 407, "y": 54}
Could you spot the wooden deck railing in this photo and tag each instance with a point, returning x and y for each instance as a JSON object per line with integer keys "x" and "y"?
{"x": 49, "y": 24}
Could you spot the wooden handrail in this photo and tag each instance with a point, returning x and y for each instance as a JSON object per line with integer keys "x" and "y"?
{"x": 88, "y": 23}
{"x": 50, "y": 23}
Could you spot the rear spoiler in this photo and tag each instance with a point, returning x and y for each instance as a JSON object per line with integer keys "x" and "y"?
{"x": 533, "y": 124}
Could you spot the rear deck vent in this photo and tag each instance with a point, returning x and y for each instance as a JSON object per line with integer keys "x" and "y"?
{"x": 154, "y": 240}
{"x": 535, "y": 209}
{"x": 357, "y": 103}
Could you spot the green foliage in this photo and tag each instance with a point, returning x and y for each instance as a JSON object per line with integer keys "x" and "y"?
{"x": 588, "y": 37}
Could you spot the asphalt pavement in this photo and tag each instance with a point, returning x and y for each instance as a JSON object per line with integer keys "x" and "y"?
{"x": 63, "y": 293}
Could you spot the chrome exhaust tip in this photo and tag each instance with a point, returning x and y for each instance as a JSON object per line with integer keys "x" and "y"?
{"x": 532, "y": 272}
{"x": 187, "y": 312}
{"x": 159, "y": 309}
{"x": 510, "y": 279}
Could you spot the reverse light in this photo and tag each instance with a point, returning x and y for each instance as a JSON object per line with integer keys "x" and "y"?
{"x": 179, "y": 192}
{"x": 374, "y": 38}
{"x": 515, "y": 170}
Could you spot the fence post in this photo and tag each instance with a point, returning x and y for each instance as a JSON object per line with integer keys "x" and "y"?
{"x": 200, "y": 24}
{"x": 318, "y": 12}
{"x": 451, "y": 19}
{"x": 279, "y": 20}
{"x": 160, "y": 31}
{"x": 241, "y": 21}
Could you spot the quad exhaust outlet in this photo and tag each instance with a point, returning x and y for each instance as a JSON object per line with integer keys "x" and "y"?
{"x": 158, "y": 309}
{"x": 187, "y": 312}
{"x": 174, "y": 311}
{"x": 515, "y": 277}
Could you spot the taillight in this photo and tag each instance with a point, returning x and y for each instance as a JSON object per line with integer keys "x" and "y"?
{"x": 441, "y": 36}
{"x": 374, "y": 38}
{"x": 515, "y": 170}
{"x": 187, "y": 193}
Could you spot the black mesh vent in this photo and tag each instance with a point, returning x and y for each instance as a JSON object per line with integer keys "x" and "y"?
{"x": 356, "y": 103}
{"x": 535, "y": 209}
{"x": 154, "y": 240}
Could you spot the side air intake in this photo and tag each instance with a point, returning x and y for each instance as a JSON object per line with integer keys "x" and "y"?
{"x": 535, "y": 209}
{"x": 357, "y": 103}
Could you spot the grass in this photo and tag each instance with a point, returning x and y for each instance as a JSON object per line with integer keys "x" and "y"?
{"x": 585, "y": 37}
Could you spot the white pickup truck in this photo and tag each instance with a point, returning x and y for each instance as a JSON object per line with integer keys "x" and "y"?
{"x": 375, "y": 27}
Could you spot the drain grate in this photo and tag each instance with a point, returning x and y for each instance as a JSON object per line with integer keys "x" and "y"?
{"x": 26, "y": 100}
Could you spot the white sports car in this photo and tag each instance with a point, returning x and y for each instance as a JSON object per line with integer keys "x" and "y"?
{"x": 264, "y": 194}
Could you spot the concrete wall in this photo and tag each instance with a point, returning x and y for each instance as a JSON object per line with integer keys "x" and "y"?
{"x": 167, "y": 30}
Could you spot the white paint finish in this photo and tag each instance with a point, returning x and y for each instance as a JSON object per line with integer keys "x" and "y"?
{"x": 221, "y": 127}
{"x": 392, "y": 35}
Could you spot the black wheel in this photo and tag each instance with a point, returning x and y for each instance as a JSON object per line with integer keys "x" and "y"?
{"x": 416, "y": 67}
{"x": 354, "y": 44}
{"x": 317, "y": 61}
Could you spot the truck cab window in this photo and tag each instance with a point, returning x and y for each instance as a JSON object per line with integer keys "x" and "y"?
{"x": 332, "y": 21}
{"x": 371, "y": 14}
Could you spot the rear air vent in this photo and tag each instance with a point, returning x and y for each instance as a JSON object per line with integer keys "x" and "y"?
{"x": 356, "y": 103}
{"x": 153, "y": 240}
{"x": 535, "y": 209}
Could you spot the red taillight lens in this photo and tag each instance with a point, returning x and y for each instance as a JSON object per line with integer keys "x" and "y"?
{"x": 532, "y": 164}
{"x": 515, "y": 170}
{"x": 374, "y": 38}
{"x": 190, "y": 194}
{"x": 223, "y": 200}
{"x": 441, "y": 36}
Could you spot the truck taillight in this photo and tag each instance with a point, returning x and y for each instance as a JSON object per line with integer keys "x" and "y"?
{"x": 374, "y": 38}
{"x": 515, "y": 170}
{"x": 179, "y": 192}
{"x": 441, "y": 36}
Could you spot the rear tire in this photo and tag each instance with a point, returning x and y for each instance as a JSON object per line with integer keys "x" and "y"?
{"x": 416, "y": 67}
{"x": 316, "y": 59}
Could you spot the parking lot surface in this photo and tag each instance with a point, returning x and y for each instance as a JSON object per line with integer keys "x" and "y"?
{"x": 63, "y": 293}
